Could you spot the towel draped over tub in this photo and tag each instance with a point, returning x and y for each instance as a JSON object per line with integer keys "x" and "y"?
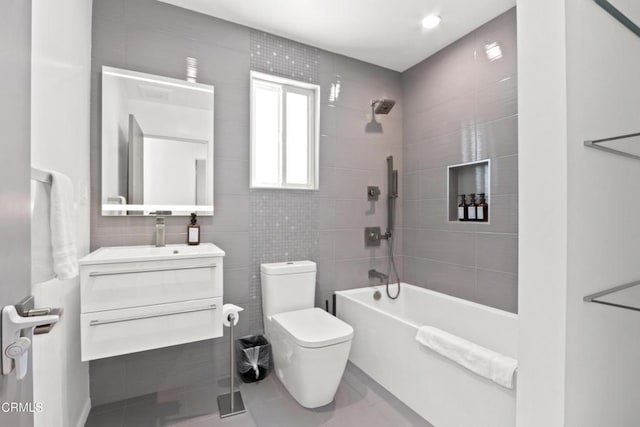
{"x": 482, "y": 361}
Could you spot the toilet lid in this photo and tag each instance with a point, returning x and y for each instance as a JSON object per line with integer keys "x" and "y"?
{"x": 313, "y": 327}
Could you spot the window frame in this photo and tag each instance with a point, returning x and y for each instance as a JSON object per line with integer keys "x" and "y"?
{"x": 286, "y": 86}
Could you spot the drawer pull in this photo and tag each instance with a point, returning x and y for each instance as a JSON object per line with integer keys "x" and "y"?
{"x": 149, "y": 270}
{"x": 150, "y": 316}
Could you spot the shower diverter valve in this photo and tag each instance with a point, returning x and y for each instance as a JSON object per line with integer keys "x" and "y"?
{"x": 372, "y": 236}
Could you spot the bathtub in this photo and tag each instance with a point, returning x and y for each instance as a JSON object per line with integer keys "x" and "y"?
{"x": 442, "y": 392}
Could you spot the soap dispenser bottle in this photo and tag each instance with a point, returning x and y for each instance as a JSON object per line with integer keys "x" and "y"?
{"x": 462, "y": 208}
{"x": 193, "y": 231}
{"x": 471, "y": 208}
{"x": 483, "y": 208}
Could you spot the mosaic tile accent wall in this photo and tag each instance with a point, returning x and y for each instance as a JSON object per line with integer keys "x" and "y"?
{"x": 283, "y": 224}
{"x": 274, "y": 55}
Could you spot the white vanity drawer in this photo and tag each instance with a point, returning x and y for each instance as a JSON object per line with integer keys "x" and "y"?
{"x": 136, "y": 284}
{"x": 116, "y": 332}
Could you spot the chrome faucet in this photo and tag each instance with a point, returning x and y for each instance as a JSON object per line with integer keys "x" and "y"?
{"x": 373, "y": 274}
{"x": 160, "y": 235}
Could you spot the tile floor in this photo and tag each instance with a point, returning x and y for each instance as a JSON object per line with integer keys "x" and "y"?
{"x": 359, "y": 401}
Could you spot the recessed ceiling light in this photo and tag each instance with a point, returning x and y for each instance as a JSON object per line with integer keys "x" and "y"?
{"x": 431, "y": 21}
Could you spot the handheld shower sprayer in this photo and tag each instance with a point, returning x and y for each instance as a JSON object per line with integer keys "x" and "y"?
{"x": 392, "y": 183}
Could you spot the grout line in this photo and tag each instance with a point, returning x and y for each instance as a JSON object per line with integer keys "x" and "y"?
{"x": 475, "y": 272}
{"x": 456, "y": 264}
{"x": 498, "y": 271}
{"x": 500, "y": 233}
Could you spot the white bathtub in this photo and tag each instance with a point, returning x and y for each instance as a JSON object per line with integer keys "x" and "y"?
{"x": 442, "y": 392}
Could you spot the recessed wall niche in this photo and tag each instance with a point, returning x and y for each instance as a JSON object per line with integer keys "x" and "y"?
{"x": 468, "y": 178}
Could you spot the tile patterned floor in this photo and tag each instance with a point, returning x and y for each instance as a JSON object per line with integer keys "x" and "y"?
{"x": 359, "y": 401}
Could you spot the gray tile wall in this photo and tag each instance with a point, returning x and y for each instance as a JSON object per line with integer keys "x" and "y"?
{"x": 350, "y": 160}
{"x": 153, "y": 37}
{"x": 461, "y": 107}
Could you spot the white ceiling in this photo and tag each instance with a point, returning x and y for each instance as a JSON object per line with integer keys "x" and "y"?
{"x": 383, "y": 32}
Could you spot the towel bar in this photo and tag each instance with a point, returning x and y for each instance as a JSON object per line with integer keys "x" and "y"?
{"x": 41, "y": 176}
{"x": 598, "y": 144}
{"x": 599, "y": 297}
{"x": 621, "y": 17}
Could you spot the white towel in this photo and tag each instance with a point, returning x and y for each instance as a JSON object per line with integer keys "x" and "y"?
{"x": 63, "y": 234}
{"x": 482, "y": 361}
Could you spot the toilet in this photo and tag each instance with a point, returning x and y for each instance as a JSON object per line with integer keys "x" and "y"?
{"x": 310, "y": 346}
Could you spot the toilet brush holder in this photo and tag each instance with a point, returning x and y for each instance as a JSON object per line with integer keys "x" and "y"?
{"x": 231, "y": 403}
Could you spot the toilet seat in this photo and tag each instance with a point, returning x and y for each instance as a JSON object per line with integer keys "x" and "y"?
{"x": 313, "y": 327}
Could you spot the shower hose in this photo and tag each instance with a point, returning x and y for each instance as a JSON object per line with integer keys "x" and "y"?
{"x": 392, "y": 263}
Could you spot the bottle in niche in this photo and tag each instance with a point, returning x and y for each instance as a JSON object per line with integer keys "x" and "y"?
{"x": 462, "y": 208}
{"x": 482, "y": 208}
{"x": 193, "y": 231}
{"x": 471, "y": 208}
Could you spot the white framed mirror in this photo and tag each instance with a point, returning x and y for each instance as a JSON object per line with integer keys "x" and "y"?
{"x": 157, "y": 145}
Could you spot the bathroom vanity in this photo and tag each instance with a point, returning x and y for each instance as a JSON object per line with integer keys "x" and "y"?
{"x": 143, "y": 297}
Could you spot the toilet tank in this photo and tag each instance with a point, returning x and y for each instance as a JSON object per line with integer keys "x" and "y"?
{"x": 287, "y": 286}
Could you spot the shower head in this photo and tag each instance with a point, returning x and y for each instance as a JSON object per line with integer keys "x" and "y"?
{"x": 382, "y": 106}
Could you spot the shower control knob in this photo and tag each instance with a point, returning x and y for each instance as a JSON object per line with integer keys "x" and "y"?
{"x": 372, "y": 236}
{"x": 373, "y": 193}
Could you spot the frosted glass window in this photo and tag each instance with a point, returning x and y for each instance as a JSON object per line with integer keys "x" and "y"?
{"x": 297, "y": 139}
{"x": 284, "y": 133}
